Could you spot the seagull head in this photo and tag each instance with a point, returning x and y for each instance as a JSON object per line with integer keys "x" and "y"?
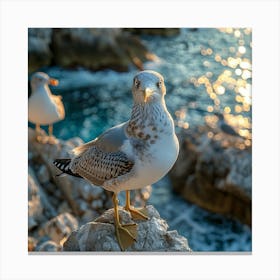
{"x": 220, "y": 116}
{"x": 41, "y": 79}
{"x": 148, "y": 86}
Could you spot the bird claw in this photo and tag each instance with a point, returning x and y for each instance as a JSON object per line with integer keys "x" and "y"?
{"x": 42, "y": 139}
{"x": 126, "y": 235}
{"x": 52, "y": 140}
{"x": 138, "y": 213}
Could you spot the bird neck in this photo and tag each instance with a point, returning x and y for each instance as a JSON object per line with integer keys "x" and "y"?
{"x": 42, "y": 90}
{"x": 148, "y": 119}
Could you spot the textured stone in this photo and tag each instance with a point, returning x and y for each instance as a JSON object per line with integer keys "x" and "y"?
{"x": 59, "y": 227}
{"x": 76, "y": 191}
{"x": 43, "y": 174}
{"x": 93, "y": 48}
{"x": 88, "y": 216}
{"x": 48, "y": 246}
{"x": 63, "y": 207}
{"x": 99, "y": 235}
{"x": 39, "y": 52}
{"x": 97, "y": 48}
{"x": 32, "y": 243}
{"x": 214, "y": 173}
{"x": 97, "y": 204}
{"x": 35, "y": 208}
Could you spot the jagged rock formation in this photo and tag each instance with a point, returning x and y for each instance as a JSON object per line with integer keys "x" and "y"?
{"x": 93, "y": 48}
{"x": 215, "y": 172}
{"x": 153, "y": 236}
{"x": 39, "y": 51}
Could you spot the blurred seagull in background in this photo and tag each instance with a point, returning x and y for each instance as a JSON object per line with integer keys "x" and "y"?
{"x": 44, "y": 108}
{"x": 131, "y": 155}
{"x": 224, "y": 127}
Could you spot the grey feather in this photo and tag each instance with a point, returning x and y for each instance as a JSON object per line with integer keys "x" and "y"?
{"x": 109, "y": 141}
{"x": 98, "y": 166}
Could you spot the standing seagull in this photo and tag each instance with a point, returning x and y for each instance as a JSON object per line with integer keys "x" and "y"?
{"x": 44, "y": 108}
{"x": 131, "y": 155}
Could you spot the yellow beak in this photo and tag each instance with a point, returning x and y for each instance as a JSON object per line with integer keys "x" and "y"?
{"x": 53, "y": 82}
{"x": 147, "y": 93}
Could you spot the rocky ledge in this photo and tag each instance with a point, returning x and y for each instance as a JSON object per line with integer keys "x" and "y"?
{"x": 153, "y": 236}
{"x": 214, "y": 171}
{"x": 92, "y": 48}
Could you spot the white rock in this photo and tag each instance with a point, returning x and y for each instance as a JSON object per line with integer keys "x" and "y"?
{"x": 153, "y": 236}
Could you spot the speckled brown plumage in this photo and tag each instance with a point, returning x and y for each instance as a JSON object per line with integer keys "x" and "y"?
{"x": 98, "y": 166}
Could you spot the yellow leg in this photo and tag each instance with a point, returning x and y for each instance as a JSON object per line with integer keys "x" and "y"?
{"x": 38, "y": 131}
{"x": 126, "y": 234}
{"x": 51, "y": 138}
{"x": 138, "y": 214}
{"x": 50, "y": 130}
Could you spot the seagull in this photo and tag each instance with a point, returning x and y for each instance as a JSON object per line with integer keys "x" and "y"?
{"x": 131, "y": 155}
{"x": 44, "y": 108}
{"x": 224, "y": 127}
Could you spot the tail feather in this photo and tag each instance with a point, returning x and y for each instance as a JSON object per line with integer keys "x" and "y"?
{"x": 63, "y": 165}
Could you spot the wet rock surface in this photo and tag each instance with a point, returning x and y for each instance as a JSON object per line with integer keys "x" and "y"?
{"x": 153, "y": 235}
{"x": 93, "y": 48}
{"x": 214, "y": 171}
{"x": 58, "y": 205}
{"x": 39, "y": 51}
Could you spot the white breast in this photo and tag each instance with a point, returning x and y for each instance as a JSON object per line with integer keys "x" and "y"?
{"x": 154, "y": 164}
{"x": 41, "y": 108}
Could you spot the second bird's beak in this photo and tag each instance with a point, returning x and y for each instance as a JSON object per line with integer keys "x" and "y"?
{"x": 147, "y": 93}
{"x": 53, "y": 82}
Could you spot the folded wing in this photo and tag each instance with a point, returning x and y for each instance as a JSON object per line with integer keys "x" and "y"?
{"x": 101, "y": 159}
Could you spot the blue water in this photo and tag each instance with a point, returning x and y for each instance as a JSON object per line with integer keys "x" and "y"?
{"x": 205, "y": 71}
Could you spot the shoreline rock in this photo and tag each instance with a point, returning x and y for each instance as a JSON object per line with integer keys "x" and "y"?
{"x": 214, "y": 173}
{"x": 153, "y": 235}
{"x": 92, "y": 48}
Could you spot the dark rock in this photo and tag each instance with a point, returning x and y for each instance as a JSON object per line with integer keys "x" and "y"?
{"x": 97, "y": 48}
{"x": 39, "y": 53}
{"x": 155, "y": 31}
{"x": 214, "y": 174}
{"x": 48, "y": 246}
{"x": 93, "y": 48}
{"x": 43, "y": 174}
{"x": 99, "y": 235}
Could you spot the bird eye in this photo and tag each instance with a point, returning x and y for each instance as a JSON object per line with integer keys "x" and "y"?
{"x": 137, "y": 83}
{"x": 159, "y": 84}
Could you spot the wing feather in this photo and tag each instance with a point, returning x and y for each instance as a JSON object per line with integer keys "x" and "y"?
{"x": 57, "y": 99}
{"x": 98, "y": 166}
{"x": 109, "y": 141}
